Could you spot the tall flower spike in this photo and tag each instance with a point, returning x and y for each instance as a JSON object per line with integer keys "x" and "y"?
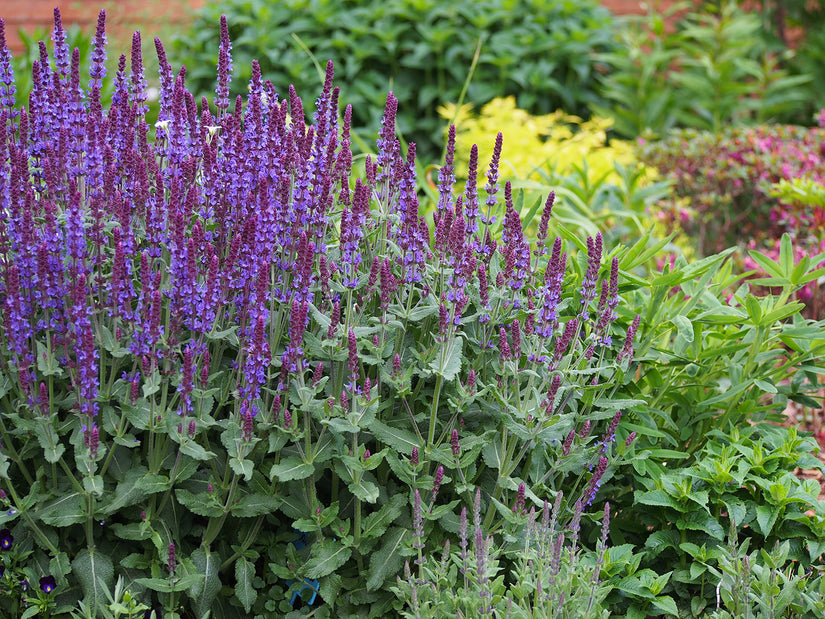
{"x": 446, "y": 175}
{"x": 626, "y": 354}
{"x": 97, "y": 68}
{"x": 7, "y": 83}
{"x": 224, "y": 68}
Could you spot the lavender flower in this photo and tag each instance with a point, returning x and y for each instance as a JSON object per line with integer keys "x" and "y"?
{"x": 626, "y": 354}
{"x": 588, "y": 288}
{"x": 7, "y": 84}
{"x": 454, "y": 443}
{"x": 439, "y": 477}
{"x": 224, "y": 68}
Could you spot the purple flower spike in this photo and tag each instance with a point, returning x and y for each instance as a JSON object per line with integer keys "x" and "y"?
{"x": 518, "y": 508}
{"x": 446, "y": 175}
{"x": 626, "y": 354}
{"x": 7, "y": 84}
{"x": 224, "y": 68}
{"x": 414, "y": 456}
{"x": 454, "y": 443}
{"x": 439, "y": 477}
{"x": 171, "y": 559}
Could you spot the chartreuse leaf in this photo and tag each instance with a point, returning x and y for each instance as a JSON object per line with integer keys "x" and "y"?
{"x": 95, "y": 572}
{"x": 325, "y": 557}
{"x": 244, "y": 591}
{"x": 387, "y": 560}
{"x": 204, "y": 592}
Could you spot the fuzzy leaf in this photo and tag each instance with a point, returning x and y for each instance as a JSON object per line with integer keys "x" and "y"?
{"x": 377, "y": 522}
{"x": 95, "y": 572}
{"x": 400, "y": 440}
{"x": 202, "y": 504}
{"x": 387, "y": 560}
{"x": 447, "y": 363}
{"x": 64, "y": 511}
{"x": 255, "y": 505}
{"x": 364, "y": 490}
{"x": 291, "y": 468}
{"x": 244, "y": 591}
{"x": 49, "y": 441}
{"x": 326, "y": 557}
{"x": 195, "y": 451}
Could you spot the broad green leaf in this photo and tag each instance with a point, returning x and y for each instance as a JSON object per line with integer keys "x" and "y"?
{"x": 242, "y": 467}
{"x": 47, "y": 363}
{"x": 666, "y": 604}
{"x": 64, "y": 511}
{"x": 95, "y": 572}
{"x": 202, "y": 504}
{"x": 244, "y": 591}
{"x": 364, "y": 490}
{"x": 684, "y": 327}
{"x": 377, "y": 522}
{"x": 447, "y": 362}
{"x": 400, "y": 440}
{"x": 387, "y": 560}
{"x": 766, "y": 516}
{"x": 325, "y": 557}
{"x": 255, "y": 505}
{"x": 658, "y": 498}
{"x": 195, "y": 451}
{"x": 291, "y": 468}
{"x": 49, "y": 441}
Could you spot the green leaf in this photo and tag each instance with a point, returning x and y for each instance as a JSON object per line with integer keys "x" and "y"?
{"x": 202, "y": 504}
{"x": 447, "y": 362}
{"x": 684, "y": 327}
{"x": 47, "y": 363}
{"x": 387, "y": 560}
{"x": 377, "y": 522}
{"x": 400, "y": 440}
{"x": 193, "y": 450}
{"x": 658, "y": 498}
{"x": 49, "y": 441}
{"x": 766, "y": 516}
{"x": 666, "y": 604}
{"x": 291, "y": 468}
{"x": 64, "y": 511}
{"x": 325, "y": 557}
{"x": 244, "y": 591}
{"x": 255, "y": 505}
{"x": 95, "y": 572}
{"x": 364, "y": 490}
{"x": 242, "y": 467}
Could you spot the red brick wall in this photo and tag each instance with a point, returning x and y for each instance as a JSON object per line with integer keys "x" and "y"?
{"x": 122, "y": 16}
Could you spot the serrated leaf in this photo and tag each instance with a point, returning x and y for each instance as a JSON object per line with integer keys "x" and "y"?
{"x": 195, "y": 451}
{"x": 64, "y": 511}
{"x": 447, "y": 362}
{"x": 364, "y": 490}
{"x": 387, "y": 560}
{"x": 244, "y": 591}
{"x": 290, "y": 469}
{"x": 242, "y": 467}
{"x": 47, "y": 363}
{"x": 202, "y": 504}
{"x": 766, "y": 516}
{"x": 400, "y": 440}
{"x": 658, "y": 498}
{"x": 95, "y": 572}
{"x": 667, "y": 604}
{"x": 49, "y": 441}
{"x": 203, "y": 593}
{"x": 255, "y": 505}
{"x": 325, "y": 557}
{"x": 377, "y": 522}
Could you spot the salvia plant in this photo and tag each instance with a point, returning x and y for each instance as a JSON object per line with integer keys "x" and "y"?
{"x": 238, "y": 379}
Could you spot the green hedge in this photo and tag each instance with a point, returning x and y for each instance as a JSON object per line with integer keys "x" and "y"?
{"x": 542, "y": 51}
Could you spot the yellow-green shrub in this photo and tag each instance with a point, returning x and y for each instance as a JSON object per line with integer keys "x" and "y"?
{"x": 559, "y": 142}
